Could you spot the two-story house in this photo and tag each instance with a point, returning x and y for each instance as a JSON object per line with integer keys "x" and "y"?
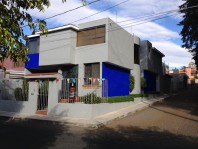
{"x": 90, "y": 52}
{"x": 151, "y": 66}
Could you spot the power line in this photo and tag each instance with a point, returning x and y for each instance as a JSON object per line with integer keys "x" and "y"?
{"x": 71, "y": 10}
{"x": 113, "y": 29}
{"x": 150, "y": 19}
{"x": 136, "y": 23}
{"x": 165, "y": 12}
{"x": 100, "y": 11}
{"x": 144, "y": 18}
{"x": 107, "y": 31}
{"x": 156, "y": 14}
{"x": 67, "y": 11}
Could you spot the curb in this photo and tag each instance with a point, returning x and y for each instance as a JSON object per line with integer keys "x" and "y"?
{"x": 96, "y": 122}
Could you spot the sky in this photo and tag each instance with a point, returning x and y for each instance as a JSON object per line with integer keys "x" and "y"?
{"x": 139, "y": 17}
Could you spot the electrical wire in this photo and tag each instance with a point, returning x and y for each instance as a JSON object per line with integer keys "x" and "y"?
{"x": 146, "y": 20}
{"x": 90, "y": 35}
{"x": 100, "y": 11}
{"x": 66, "y": 11}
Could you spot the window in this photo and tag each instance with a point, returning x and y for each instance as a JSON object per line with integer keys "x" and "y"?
{"x": 136, "y": 54}
{"x": 91, "y": 36}
{"x": 92, "y": 73}
{"x": 34, "y": 46}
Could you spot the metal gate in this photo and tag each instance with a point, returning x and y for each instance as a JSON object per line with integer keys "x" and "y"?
{"x": 42, "y": 103}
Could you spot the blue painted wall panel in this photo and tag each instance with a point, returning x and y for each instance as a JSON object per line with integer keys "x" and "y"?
{"x": 150, "y": 81}
{"x": 118, "y": 80}
{"x": 33, "y": 61}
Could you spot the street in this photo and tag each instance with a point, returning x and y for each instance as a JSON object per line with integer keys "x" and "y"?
{"x": 172, "y": 123}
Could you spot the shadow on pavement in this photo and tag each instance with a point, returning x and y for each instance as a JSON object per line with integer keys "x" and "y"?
{"x": 137, "y": 138}
{"x": 28, "y": 134}
{"x": 186, "y": 100}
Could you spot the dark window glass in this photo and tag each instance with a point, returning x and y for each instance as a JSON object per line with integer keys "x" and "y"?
{"x": 136, "y": 55}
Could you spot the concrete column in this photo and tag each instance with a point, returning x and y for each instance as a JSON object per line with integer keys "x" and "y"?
{"x": 136, "y": 73}
{"x": 53, "y": 97}
{"x": 33, "y": 96}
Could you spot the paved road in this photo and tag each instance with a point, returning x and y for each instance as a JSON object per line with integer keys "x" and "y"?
{"x": 169, "y": 124}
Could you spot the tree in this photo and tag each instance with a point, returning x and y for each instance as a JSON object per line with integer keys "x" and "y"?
{"x": 14, "y": 18}
{"x": 189, "y": 31}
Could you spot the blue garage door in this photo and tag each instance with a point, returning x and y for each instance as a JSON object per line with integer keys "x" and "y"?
{"x": 150, "y": 81}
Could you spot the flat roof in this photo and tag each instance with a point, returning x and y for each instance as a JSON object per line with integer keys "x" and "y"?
{"x": 70, "y": 26}
{"x": 49, "y": 75}
{"x": 156, "y": 50}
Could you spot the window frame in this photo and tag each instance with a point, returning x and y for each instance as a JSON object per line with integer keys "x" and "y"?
{"x": 89, "y": 82}
{"x": 91, "y": 36}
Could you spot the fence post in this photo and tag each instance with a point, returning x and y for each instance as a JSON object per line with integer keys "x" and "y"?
{"x": 33, "y": 95}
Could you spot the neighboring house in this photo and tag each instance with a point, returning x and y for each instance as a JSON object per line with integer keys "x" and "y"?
{"x": 11, "y": 69}
{"x": 190, "y": 71}
{"x": 90, "y": 52}
{"x": 151, "y": 67}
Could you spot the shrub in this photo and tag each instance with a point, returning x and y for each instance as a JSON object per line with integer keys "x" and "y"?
{"x": 132, "y": 83}
{"x": 143, "y": 83}
{"x": 90, "y": 98}
{"x": 120, "y": 99}
{"x": 18, "y": 93}
{"x": 21, "y": 93}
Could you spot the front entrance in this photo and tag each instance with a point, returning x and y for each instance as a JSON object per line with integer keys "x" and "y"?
{"x": 42, "y": 99}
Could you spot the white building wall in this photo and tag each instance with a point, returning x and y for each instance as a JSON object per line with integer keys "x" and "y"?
{"x": 57, "y": 48}
{"x": 117, "y": 49}
{"x": 136, "y": 73}
{"x": 28, "y": 107}
{"x": 120, "y": 46}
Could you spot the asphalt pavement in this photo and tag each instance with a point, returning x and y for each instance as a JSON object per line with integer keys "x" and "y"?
{"x": 172, "y": 123}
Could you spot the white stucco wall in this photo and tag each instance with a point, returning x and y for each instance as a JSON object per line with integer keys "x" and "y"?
{"x": 57, "y": 48}
{"x": 29, "y": 106}
{"x": 118, "y": 48}
{"x": 78, "y": 110}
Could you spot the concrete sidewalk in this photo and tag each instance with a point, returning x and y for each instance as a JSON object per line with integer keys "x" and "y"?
{"x": 94, "y": 122}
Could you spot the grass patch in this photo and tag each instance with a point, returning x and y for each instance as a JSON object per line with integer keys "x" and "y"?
{"x": 120, "y": 99}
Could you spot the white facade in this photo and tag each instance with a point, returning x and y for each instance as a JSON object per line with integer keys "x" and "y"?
{"x": 59, "y": 47}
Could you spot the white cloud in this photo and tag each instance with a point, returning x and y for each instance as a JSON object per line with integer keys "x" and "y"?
{"x": 161, "y": 37}
{"x": 175, "y": 55}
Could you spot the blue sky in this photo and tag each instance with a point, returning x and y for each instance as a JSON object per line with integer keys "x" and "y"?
{"x": 163, "y": 33}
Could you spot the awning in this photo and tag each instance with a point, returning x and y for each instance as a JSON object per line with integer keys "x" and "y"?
{"x": 50, "y": 75}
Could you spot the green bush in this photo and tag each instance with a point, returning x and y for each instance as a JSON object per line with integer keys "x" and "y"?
{"x": 143, "y": 83}
{"x": 21, "y": 93}
{"x": 120, "y": 99}
{"x": 90, "y": 98}
{"x": 18, "y": 93}
{"x": 132, "y": 83}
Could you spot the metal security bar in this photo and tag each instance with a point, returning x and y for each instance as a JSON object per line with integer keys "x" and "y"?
{"x": 94, "y": 90}
{"x": 42, "y": 103}
{"x": 69, "y": 90}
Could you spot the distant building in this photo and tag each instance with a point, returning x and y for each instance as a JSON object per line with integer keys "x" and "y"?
{"x": 11, "y": 70}
{"x": 151, "y": 66}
